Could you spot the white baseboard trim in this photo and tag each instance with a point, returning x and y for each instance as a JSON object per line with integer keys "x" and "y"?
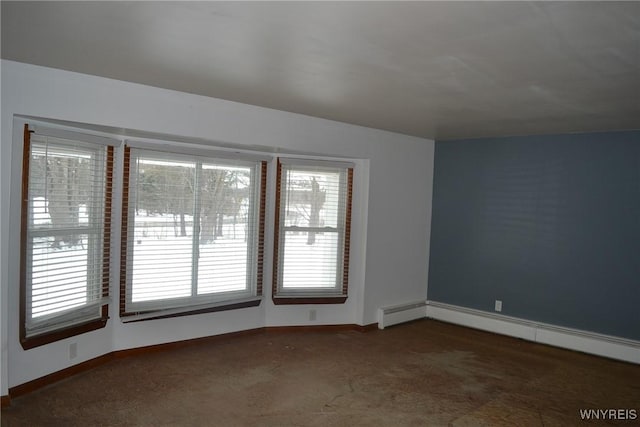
{"x": 573, "y": 339}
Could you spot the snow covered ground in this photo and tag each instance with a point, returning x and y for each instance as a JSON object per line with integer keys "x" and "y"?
{"x": 162, "y": 263}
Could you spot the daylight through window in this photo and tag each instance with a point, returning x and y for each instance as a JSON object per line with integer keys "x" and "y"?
{"x": 65, "y": 235}
{"x": 193, "y": 231}
{"x": 313, "y": 230}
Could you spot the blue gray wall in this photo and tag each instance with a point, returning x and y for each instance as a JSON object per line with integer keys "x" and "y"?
{"x": 550, "y": 225}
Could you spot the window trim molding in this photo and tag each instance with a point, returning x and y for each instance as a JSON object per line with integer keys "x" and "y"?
{"x": 124, "y": 227}
{"x": 347, "y": 232}
{"x": 312, "y": 296}
{"x": 286, "y": 300}
{"x": 262, "y": 219}
{"x": 131, "y": 317}
{"x": 47, "y": 337}
{"x": 191, "y": 150}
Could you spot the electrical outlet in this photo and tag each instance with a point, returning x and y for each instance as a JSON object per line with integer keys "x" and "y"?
{"x": 312, "y": 315}
{"x": 73, "y": 350}
{"x": 498, "y": 305}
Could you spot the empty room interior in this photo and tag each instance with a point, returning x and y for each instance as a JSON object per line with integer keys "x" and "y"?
{"x": 320, "y": 213}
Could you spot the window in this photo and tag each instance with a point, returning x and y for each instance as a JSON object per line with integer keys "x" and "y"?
{"x": 66, "y": 212}
{"x": 313, "y": 216}
{"x": 193, "y": 232}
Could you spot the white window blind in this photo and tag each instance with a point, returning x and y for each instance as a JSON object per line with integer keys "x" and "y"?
{"x": 65, "y": 251}
{"x": 312, "y": 241}
{"x": 192, "y": 232}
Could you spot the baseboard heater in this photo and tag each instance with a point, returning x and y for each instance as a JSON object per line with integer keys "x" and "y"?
{"x": 395, "y": 314}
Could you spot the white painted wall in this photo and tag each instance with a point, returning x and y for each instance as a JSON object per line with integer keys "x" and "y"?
{"x": 392, "y": 209}
{"x": 3, "y": 271}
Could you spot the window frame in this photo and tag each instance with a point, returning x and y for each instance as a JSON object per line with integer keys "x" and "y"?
{"x": 209, "y": 304}
{"x": 339, "y": 293}
{"x": 67, "y": 328}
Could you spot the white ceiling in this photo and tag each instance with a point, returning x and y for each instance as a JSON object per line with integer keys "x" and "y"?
{"x": 433, "y": 69}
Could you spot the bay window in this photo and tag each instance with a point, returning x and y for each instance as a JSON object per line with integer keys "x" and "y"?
{"x": 192, "y": 230}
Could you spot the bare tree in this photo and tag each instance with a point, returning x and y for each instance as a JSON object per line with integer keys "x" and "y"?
{"x": 213, "y": 190}
{"x": 64, "y": 194}
{"x": 316, "y": 200}
{"x": 307, "y": 202}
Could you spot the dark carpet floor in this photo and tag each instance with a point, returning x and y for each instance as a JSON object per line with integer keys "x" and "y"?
{"x": 424, "y": 373}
